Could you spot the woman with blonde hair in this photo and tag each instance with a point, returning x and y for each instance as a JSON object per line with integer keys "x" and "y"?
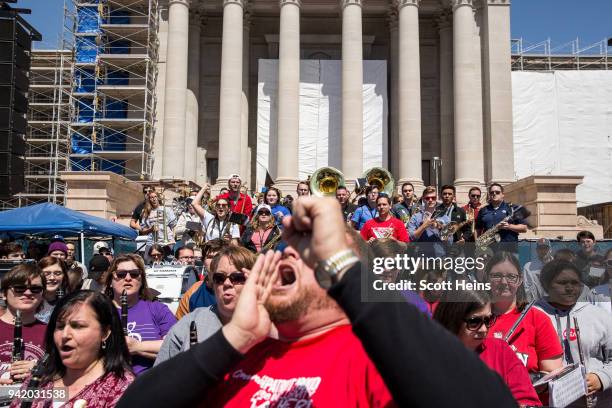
{"x": 262, "y": 232}
{"x": 148, "y": 319}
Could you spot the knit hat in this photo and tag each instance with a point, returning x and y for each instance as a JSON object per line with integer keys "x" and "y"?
{"x": 58, "y": 246}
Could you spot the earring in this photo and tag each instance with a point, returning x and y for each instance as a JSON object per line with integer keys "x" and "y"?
{"x": 103, "y": 344}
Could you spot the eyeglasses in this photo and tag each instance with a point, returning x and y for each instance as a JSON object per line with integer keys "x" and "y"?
{"x": 237, "y": 278}
{"x": 264, "y": 213}
{"x": 21, "y": 289}
{"x": 134, "y": 274}
{"x": 497, "y": 277}
{"x": 429, "y": 198}
{"x": 474, "y": 195}
{"x": 49, "y": 274}
{"x": 495, "y": 192}
{"x": 476, "y": 322}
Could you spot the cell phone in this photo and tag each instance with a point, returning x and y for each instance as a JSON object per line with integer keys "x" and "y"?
{"x": 193, "y": 226}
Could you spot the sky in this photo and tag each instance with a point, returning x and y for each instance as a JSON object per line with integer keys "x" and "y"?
{"x": 533, "y": 20}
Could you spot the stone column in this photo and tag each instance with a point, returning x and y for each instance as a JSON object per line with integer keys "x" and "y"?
{"x": 230, "y": 103}
{"x": 176, "y": 89}
{"x": 244, "y": 129}
{"x": 393, "y": 106}
{"x": 352, "y": 90}
{"x": 469, "y": 170}
{"x": 192, "y": 103}
{"x": 499, "y": 149}
{"x": 447, "y": 153}
{"x": 288, "y": 96}
{"x": 409, "y": 94}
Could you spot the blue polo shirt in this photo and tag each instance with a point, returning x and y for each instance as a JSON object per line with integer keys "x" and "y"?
{"x": 363, "y": 214}
{"x": 488, "y": 217}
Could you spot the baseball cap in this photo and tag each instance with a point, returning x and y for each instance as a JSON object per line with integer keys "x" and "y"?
{"x": 263, "y": 207}
{"x": 98, "y": 245}
{"x": 98, "y": 263}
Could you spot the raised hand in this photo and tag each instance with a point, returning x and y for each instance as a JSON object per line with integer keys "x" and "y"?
{"x": 250, "y": 322}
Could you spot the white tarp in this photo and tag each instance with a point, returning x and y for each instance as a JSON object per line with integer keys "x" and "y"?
{"x": 321, "y": 116}
{"x": 563, "y": 126}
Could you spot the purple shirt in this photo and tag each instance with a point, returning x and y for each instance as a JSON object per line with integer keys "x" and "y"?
{"x": 148, "y": 321}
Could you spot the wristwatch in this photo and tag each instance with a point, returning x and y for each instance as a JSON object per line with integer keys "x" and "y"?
{"x": 327, "y": 270}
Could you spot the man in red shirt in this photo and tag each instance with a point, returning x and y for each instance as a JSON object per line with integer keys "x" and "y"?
{"x": 239, "y": 202}
{"x": 384, "y": 225}
{"x": 317, "y": 360}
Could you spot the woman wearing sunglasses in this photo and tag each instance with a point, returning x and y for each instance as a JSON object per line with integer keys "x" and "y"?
{"x": 262, "y": 233}
{"x": 535, "y": 340}
{"x": 216, "y": 224}
{"x": 228, "y": 279}
{"x": 148, "y": 320}
{"x": 88, "y": 356}
{"x": 56, "y": 276}
{"x": 563, "y": 282}
{"x": 469, "y": 317}
{"x": 22, "y": 288}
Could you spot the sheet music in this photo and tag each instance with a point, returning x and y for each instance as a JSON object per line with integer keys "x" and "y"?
{"x": 567, "y": 388}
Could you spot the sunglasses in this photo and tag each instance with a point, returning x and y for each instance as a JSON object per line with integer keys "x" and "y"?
{"x": 134, "y": 274}
{"x": 429, "y": 198}
{"x": 475, "y": 195}
{"x": 237, "y": 278}
{"x": 476, "y": 322}
{"x": 21, "y": 289}
{"x": 496, "y": 192}
{"x": 264, "y": 212}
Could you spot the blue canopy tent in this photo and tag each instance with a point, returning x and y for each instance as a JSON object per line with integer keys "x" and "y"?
{"x": 48, "y": 219}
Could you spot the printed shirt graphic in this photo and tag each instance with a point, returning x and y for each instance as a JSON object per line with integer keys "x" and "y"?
{"x": 391, "y": 228}
{"x": 329, "y": 370}
{"x": 534, "y": 339}
{"x": 33, "y": 336}
{"x": 147, "y": 321}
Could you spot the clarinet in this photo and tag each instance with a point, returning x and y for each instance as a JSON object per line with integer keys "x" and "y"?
{"x": 17, "y": 338}
{"x": 124, "y": 312}
{"x": 590, "y": 401}
{"x": 60, "y": 293}
{"x": 34, "y": 382}
{"x": 518, "y": 321}
{"x": 193, "y": 334}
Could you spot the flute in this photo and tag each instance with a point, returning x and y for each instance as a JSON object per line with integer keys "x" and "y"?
{"x": 589, "y": 398}
{"x": 193, "y": 334}
{"x": 518, "y": 321}
{"x": 34, "y": 382}
{"x": 17, "y": 338}
{"x": 124, "y": 312}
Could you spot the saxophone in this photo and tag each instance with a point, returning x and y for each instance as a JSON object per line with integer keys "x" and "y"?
{"x": 491, "y": 236}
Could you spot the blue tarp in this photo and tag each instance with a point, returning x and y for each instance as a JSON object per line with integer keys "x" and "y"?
{"x": 50, "y": 219}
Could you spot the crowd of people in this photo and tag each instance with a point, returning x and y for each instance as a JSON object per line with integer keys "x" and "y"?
{"x": 274, "y": 316}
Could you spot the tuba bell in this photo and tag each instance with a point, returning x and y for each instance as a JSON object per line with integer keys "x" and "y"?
{"x": 381, "y": 178}
{"x": 325, "y": 181}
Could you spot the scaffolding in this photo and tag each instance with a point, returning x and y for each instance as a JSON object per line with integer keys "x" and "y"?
{"x": 111, "y": 109}
{"x": 545, "y": 56}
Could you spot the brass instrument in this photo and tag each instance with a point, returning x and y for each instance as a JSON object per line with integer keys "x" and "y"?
{"x": 325, "y": 181}
{"x": 451, "y": 228}
{"x": 18, "y": 344}
{"x": 272, "y": 242}
{"x": 491, "y": 236}
{"x": 380, "y": 178}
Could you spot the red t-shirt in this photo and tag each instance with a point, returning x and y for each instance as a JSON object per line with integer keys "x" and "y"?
{"x": 328, "y": 370}
{"x": 243, "y": 205}
{"x": 535, "y": 338}
{"x": 500, "y": 358}
{"x": 392, "y": 228}
{"x": 33, "y": 338}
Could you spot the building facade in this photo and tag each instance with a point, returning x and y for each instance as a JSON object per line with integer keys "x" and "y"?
{"x": 449, "y": 84}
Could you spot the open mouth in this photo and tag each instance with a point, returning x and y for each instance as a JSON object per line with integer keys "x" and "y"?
{"x": 287, "y": 275}
{"x": 66, "y": 348}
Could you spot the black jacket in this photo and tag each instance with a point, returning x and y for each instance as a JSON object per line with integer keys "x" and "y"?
{"x": 422, "y": 364}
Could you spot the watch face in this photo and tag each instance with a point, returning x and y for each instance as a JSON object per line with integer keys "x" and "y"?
{"x": 324, "y": 278}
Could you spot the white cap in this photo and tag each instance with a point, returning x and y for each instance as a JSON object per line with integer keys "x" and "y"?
{"x": 263, "y": 206}
{"x": 98, "y": 245}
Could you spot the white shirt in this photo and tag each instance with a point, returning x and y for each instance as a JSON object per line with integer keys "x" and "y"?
{"x": 214, "y": 228}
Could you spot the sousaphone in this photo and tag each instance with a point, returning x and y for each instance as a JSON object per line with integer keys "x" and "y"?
{"x": 381, "y": 178}
{"x": 325, "y": 181}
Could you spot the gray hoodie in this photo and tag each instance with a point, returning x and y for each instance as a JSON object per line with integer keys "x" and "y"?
{"x": 595, "y": 337}
{"x": 177, "y": 340}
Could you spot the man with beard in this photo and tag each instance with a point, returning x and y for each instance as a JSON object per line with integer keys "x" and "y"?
{"x": 239, "y": 202}
{"x": 348, "y": 208}
{"x": 316, "y": 361}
